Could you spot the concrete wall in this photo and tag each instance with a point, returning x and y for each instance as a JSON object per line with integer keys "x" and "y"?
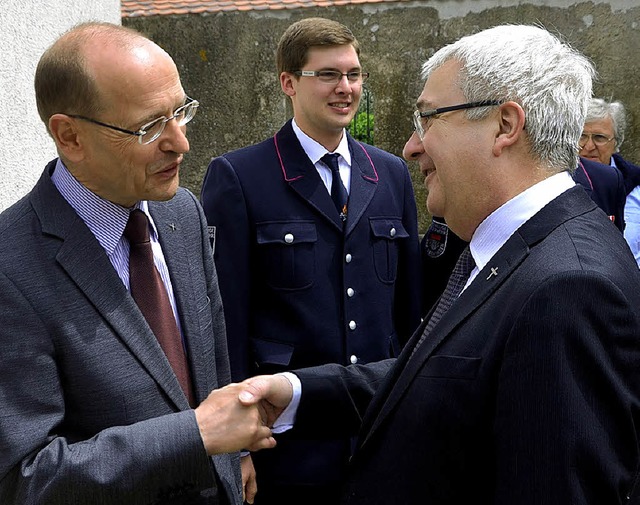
{"x": 227, "y": 62}
{"x": 28, "y": 28}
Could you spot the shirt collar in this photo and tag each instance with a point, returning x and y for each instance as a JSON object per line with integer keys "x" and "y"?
{"x": 315, "y": 151}
{"x": 105, "y": 219}
{"x": 495, "y": 230}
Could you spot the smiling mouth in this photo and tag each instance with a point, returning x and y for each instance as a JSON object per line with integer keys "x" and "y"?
{"x": 341, "y": 105}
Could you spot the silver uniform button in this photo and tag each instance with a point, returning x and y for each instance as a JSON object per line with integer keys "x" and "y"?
{"x": 350, "y": 292}
{"x": 353, "y": 359}
{"x": 352, "y": 325}
{"x": 347, "y": 258}
{"x": 392, "y": 232}
{"x": 288, "y": 238}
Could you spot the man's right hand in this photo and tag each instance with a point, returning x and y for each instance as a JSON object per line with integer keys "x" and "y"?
{"x": 272, "y": 393}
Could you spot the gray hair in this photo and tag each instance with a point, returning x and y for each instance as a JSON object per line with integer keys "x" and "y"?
{"x": 601, "y": 109}
{"x": 550, "y": 80}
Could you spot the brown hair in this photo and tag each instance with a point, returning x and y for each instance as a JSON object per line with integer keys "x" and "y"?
{"x": 63, "y": 83}
{"x": 296, "y": 41}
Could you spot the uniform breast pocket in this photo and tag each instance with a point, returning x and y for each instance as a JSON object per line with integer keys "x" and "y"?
{"x": 286, "y": 253}
{"x": 386, "y": 234}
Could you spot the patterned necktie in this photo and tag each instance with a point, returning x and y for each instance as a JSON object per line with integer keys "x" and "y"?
{"x": 150, "y": 294}
{"x": 338, "y": 191}
{"x": 457, "y": 281}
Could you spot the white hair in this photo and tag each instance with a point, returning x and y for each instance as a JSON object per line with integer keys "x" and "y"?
{"x": 601, "y": 109}
{"x": 549, "y": 79}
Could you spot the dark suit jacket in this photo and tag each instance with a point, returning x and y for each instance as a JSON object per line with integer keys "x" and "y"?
{"x": 526, "y": 392}
{"x": 287, "y": 272}
{"x": 91, "y": 410}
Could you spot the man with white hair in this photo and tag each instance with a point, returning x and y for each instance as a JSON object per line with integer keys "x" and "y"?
{"x": 600, "y": 141}
{"x": 525, "y": 388}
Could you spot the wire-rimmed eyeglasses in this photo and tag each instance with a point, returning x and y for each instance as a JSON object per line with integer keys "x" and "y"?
{"x": 334, "y": 76}
{"x": 422, "y": 119}
{"x": 599, "y": 139}
{"x": 153, "y": 129}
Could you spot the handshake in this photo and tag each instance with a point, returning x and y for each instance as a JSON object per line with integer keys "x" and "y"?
{"x": 240, "y": 416}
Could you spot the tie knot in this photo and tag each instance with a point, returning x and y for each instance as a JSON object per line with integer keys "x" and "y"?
{"x": 137, "y": 229}
{"x": 331, "y": 160}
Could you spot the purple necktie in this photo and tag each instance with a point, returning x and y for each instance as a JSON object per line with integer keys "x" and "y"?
{"x": 150, "y": 294}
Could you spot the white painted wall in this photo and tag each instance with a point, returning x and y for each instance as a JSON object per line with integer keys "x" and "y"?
{"x": 28, "y": 27}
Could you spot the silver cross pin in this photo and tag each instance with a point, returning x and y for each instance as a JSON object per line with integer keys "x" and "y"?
{"x": 172, "y": 226}
{"x": 494, "y": 271}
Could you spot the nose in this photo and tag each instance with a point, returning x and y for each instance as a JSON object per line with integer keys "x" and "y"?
{"x": 413, "y": 148}
{"x": 344, "y": 85}
{"x": 174, "y": 138}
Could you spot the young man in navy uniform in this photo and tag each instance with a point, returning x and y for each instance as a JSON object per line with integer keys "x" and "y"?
{"x": 314, "y": 267}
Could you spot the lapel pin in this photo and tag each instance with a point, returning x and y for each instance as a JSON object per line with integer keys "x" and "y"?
{"x": 172, "y": 226}
{"x": 494, "y": 271}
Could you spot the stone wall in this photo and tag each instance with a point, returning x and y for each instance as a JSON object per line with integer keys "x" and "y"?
{"x": 227, "y": 62}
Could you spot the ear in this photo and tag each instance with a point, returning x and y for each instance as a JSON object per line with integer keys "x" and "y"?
{"x": 287, "y": 81}
{"x": 511, "y": 128}
{"x": 66, "y": 136}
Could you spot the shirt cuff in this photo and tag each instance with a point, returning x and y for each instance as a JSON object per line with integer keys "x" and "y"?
{"x": 288, "y": 417}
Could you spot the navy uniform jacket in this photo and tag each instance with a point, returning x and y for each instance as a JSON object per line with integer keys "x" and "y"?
{"x": 297, "y": 290}
{"x": 605, "y": 187}
{"x": 440, "y": 247}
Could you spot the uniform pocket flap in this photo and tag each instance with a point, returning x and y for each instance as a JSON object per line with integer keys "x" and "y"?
{"x": 387, "y": 227}
{"x": 286, "y": 232}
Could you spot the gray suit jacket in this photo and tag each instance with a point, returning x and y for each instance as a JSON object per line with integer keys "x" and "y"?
{"x": 90, "y": 409}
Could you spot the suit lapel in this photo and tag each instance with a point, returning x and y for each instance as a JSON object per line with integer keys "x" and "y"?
{"x": 85, "y": 262}
{"x": 408, "y": 366}
{"x": 568, "y": 205}
{"x": 171, "y": 235}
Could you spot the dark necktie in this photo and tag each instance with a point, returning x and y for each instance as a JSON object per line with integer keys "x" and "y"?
{"x": 457, "y": 280}
{"x": 338, "y": 191}
{"x": 150, "y": 294}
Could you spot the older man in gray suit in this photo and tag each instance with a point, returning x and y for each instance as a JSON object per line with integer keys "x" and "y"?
{"x": 106, "y": 397}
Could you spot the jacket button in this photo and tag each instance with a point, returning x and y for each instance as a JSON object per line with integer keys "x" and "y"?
{"x": 352, "y": 325}
{"x": 350, "y": 292}
{"x": 347, "y": 258}
{"x": 392, "y": 232}
{"x": 353, "y": 359}
{"x": 288, "y": 238}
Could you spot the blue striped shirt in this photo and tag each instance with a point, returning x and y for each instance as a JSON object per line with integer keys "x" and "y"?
{"x": 107, "y": 221}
